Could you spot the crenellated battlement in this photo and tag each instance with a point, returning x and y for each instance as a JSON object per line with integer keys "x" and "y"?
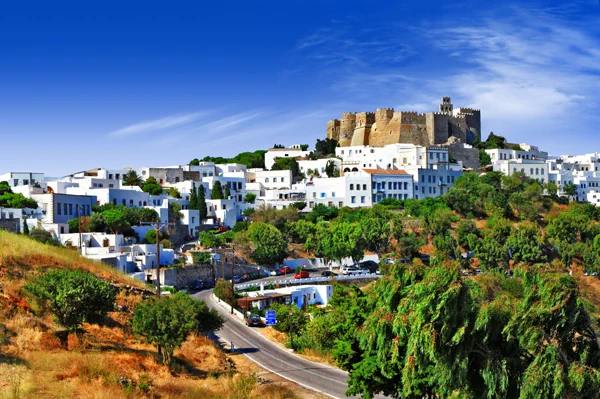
{"x": 388, "y": 126}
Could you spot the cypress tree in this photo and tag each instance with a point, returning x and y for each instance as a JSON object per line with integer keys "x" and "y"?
{"x": 25, "y": 228}
{"x": 217, "y": 191}
{"x": 227, "y": 192}
{"x": 193, "y": 204}
{"x": 201, "y": 205}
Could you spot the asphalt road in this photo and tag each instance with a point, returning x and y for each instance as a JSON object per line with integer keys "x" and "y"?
{"x": 268, "y": 355}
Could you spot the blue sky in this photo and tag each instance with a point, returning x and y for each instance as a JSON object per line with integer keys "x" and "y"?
{"x": 119, "y": 84}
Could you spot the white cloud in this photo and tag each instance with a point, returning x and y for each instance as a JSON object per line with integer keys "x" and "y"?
{"x": 159, "y": 124}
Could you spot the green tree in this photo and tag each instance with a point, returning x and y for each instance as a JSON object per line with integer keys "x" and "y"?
{"x": 224, "y": 292}
{"x": 73, "y": 296}
{"x": 115, "y": 221}
{"x": 173, "y": 192}
{"x": 288, "y": 164}
{"x": 346, "y": 241}
{"x": 167, "y": 322}
{"x": 324, "y": 148}
{"x": 376, "y": 229}
{"x": 570, "y": 190}
{"x": 210, "y": 240}
{"x": 9, "y": 199}
{"x": 202, "y": 207}
{"x": 152, "y": 187}
{"x": 43, "y": 236}
{"x": 25, "y": 227}
{"x": 227, "y": 192}
{"x": 301, "y": 229}
{"x": 73, "y": 225}
{"x": 439, "y": 221}
{"x": 445, "y": 246}
{"x": 491, "y": 253}
{"x": 217, "y": 191}
{"x": 132, "y": 179}
{"x": 484, "y": 158}
{"x": 193, "y": 201}
{"x": 270, "y": 245}
{"x": 526, "y": 245}
{"x": 250, "y": 198}
{"x": 465, "y": 231}
{"x": 150, "y": 237}
{"x": 331, "y": 169}
{"x": 97, "y": 223}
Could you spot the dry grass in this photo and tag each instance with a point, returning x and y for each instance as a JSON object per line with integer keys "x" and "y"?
{"x": 107, "y": 361}
{"x": 20, "y": 255}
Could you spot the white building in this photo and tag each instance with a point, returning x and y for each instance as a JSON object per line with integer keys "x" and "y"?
{"x": 301, "y": 296}
{"x": 58, "y": 209}
{"x": 318, "y": 165}
{"x": 16, "y": 179}
{"x": 274, "y": 153}
{"x": 532, "y": 168}
{"x": 353, "y": 190}
{"x": 397, "y": 184}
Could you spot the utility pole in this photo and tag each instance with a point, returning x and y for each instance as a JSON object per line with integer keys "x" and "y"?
{"x": 79, "y": 223}
{"x": 157, "y": 228}
{"x": 232, "y": 273}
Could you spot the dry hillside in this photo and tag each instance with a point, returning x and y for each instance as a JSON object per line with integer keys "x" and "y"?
{"x": 107, "y": 361}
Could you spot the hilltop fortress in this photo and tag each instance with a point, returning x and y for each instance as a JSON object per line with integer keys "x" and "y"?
{"x": 386, "y": 126}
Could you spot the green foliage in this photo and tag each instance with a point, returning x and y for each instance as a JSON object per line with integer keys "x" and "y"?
{"x": 254, "y": 159}
{"x": 202, "y": 258}
{"x": 270, "y": 245}
{"x": 202, "y": 208}
{"x": 223, "y": 290}
{"x": 116, "y": 222}
{"x": 25, "y": 227}
{"x": 73, "y": 296}
{"x": 322, "y": 212}
{"x": 288, "y": 164}
{"x": 331, "y": 169}
{"x": 73, "y": 225}
{"x": 439, "y": 221}
{"x": 240, "y": 226}
{"x": 301, "y": 230}
{"x": 376, "y": 228}
{"x": 250, "y": 198}
{"x": 445, "y": 246}
{"x": 193, "y": 201}
{"x": 152, "y": 187}
{"x": 570, "y": 190}
{"x": 167, "y": 322}
{"x": 299, "y": 205}
{"x": 173, "y": 192}
{"x": 484, "y": 158}
{"x": 217, "y": 191}
{"x": 132, "y": 179}
{"x": 209, "y": 239}
{"x": 526, "y": 244}
{"x": 43, "y": 236}
{"x": 467, "y": 234}
{"x": 324, "y": 148}
{"x": 8, "y": 199}
{"x": 227, "y": 192}
{"x": 150, "y": 237}
{"x": 290, "y": 319}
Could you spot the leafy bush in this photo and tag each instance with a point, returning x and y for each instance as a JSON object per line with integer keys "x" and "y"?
{"x": 74, "y": 296}
{"x": 167, "y": 322}
{"x": 43, "y": 236}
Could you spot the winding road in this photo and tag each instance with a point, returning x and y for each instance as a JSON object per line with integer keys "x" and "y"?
{"x": 324, "y": 379}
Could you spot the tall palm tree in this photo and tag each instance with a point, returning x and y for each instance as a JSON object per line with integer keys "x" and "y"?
{"x": 132, "y": 179}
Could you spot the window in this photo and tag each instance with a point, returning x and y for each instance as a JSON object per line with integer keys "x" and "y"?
{"x": 311, "y": 204}
{"x": 124, "y": 202}
{"x": 364, "y": 186}
{"x": 193, "y": 219}
{"x": 322, "y": 195}
{"x": 118, "y": 176}
{"x": 395, "y": 185}
{"x": 333, "y": 193}
{"x": 389, "y": 185}
{"x": 405, "y": 185}
{"x": 351, "y": 186}
{"x": 362, "y": 199}
{"x": 58, "y": 209}
{"x": 140, "y": 203}
{"x": 70, "y": 209}
{"x": 110, "y": 176}
{"x": 315, "y": 195}
{"x": 353, "y": 199}
{"x": 422, "y": 178}
{"x": 274, "y": 180}
{"x": 114, "y": 201}
{"x": 266, "y": 179}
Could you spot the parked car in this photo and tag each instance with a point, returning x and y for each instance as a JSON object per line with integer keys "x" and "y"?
{"x": 349, "y": 269}
{"x": 275, "y": 272}
{"x": 302, "y": 274}
{"x": 370, "y": 265}
{"x": 426, "y": 259}
{"x": 404, "y": 260}
{"x": 286, "y": 270}
{"x": 237, "y": 279}
{"x": 196, "y": 285}
{"x": 223, "y": 228}
{"x": 328, "y": 273}
{"x": 362, "y": 271}
{"x": 468, "y": 255}
{"x": 253, "y": 320}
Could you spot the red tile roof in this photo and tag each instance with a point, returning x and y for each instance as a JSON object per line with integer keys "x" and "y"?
{"x": 385, "y": 172}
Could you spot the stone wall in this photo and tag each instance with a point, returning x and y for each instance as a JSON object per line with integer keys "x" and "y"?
{"x": 468, "y": 156}
{"x": 13, "y": 225}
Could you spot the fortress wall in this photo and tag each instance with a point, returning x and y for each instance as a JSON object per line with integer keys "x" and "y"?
{"x": 361, "y": 135}
{"x": 459, "y": 128}
{"x": 437, "y": 127}
{"x": 384, "y": 114}
{"x": 347, "y": 125}
{"x": 468, "y": 156}
{"x": 333, "y": 129}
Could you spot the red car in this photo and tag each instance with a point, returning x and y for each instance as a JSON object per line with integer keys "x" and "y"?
{"x": 223, "y": 228}
{"x": 302, "y": 274}
{"x": 285, "y": 270}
